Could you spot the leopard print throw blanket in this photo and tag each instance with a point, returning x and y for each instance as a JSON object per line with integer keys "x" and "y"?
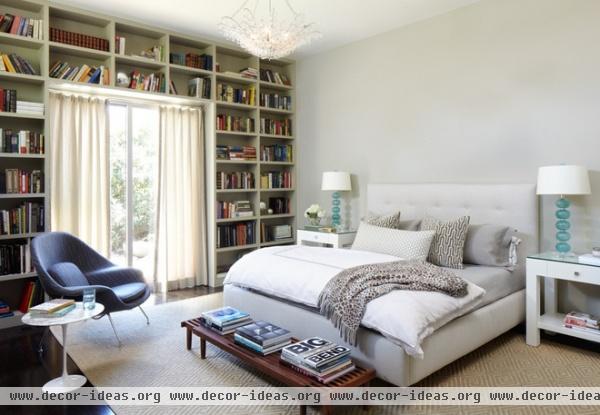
{"x": 345, "y": 297}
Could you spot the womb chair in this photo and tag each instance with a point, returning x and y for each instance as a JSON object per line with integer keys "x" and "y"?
{"x": 66, "y": 265}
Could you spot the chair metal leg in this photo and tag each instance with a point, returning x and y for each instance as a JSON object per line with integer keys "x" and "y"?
{"x": 114, "y": 329}
{"x": 41, "y": 345}
{"x": 145, "y": 315}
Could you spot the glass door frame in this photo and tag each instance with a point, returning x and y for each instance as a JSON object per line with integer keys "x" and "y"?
{"x": 129, "y": 221}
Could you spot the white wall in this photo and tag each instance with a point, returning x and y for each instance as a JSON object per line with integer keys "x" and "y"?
{"x": 486, "y": 93}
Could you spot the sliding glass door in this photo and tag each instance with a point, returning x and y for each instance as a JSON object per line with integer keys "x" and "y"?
{"x": 133, "y": 159}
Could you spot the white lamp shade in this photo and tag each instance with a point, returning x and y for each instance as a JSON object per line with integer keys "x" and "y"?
{"x": 338, "y": 181}
{"x": 563, "y": 180}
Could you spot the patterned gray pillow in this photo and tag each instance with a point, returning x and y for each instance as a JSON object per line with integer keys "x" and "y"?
{"x": 384, "y": 221}
{"x": 449, "y": 241}
{"x": 396, "y": 242}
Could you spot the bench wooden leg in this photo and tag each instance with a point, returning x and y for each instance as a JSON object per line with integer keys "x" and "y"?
{"x": 326, "y": 410}
{"x": 188, "y": 338}
{"x": 302, "y": 409}
{"x": 202, "y": 348}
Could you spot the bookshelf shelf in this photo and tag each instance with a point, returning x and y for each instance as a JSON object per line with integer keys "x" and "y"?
{"x": 282, "y": 137}
{"x": 224, "y": 104}
{"x": 63, "y": 48}
{"x": 13, "y": 321}
{"x": 140, "y": 62}
{"x": 275, "y": 111}
{"x": 10, "y": 277}
{"x": 22, "y": 195}
{"x": 281, "y": 189}
{"x": 23, "y": 115}
{"x": 20, "y": 41}
{"x": 277, "y": 216}
{"x": 278, "y": 242}
{"x": 277, "y": 163}
{"x": 272, "y": 85}
{"x": 21, "y": 77}
{"x": 235, "y": 78}
{"x": 236, "y": 162}
{"x": 19, "y": 236}
{"x": 237, "y": 248}
{"x": 188, "y": 70}
{"x": 22, "y": 156}
{"x": 240, "y": 133}
{"x": 243, "y": 219}
{"x": 236, "y": 190}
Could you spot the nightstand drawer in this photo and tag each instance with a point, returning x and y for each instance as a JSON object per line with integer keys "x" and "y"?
{"x": 574, "y": 272}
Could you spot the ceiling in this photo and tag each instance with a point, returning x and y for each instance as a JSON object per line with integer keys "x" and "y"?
{"x": 340, "y": 21}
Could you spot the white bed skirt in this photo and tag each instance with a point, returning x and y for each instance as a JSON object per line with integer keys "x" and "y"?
{"x": 447, "y": 344}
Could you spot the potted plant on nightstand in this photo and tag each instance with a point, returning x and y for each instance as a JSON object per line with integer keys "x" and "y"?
{"x": 314, "y": 214}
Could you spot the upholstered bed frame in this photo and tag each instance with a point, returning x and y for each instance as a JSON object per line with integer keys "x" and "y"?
{"x": 503, "y": 204}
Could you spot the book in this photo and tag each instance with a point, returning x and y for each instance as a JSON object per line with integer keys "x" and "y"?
{"x": 78, "y": 39}
{"x": 323, "y": 378}
{"x": 238, "y": 234}
{"x": 224, "y": 315}
{"x": 52, "y": 306}
{"x": 577, "y": 319}
{"x": 57, "y": 314}
{"x": 228, "y": 328}
{"x": 326, "y": 356}
{"x": 264, "y": 350}
{"x": 296, "y": 352}
{"x": 263, "y": 333}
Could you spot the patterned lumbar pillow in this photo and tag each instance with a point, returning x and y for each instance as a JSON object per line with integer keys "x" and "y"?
{"x": 403, "y": 244}
{"x": 391, "y": 221}
{"x": 449, "y": 241}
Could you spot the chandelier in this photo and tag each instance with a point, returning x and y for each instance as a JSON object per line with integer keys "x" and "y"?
{"x": 268, "y": 36}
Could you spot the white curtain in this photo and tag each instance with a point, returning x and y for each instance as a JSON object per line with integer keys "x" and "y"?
{"x": 181, "y": 223}
{"x": 79, "y": 173}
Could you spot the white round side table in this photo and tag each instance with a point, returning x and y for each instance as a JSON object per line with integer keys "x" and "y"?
{"x": 65, "y": 383}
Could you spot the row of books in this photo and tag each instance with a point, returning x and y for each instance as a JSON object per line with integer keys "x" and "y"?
{"x": 120, "y": 45}
{"x": 276, "y": 180}
{"x": 16, "y": 64}
{"x": 229, "y": 93}
{"x": 88, "y": 74}
{"x": 5, "y": 310}
{"x": 21, "y": 181}
{"x": 236, "y": 209}
{"x": 30, "y": 107}
{"x": 235, "y": 235}
{"x": 235, "y": 123}
{"x": 55, "y": 308}
{"x": 154, "y": 82}
{"x": 198, "y": 88}
{"x": 274, "y": 77}
{"x": 315, "y": 357}
{"x": 27, "y": 218}
{"x": 276, "y": 152}
{"x": 33, "y": 294}
{"x": 280, "y": 205}
{"x": 275, "y": 101}
{"x": 582, "y": 322}
{"x": 192, "y": 60}
{"x": 78, "y": 39}
{"x": 8, "y": 100}
{"x": 22, "y": 26}
{"x": 270, "y": 233}
{"x": 276, "y": 127}
{"x": 225, "y": 152}
{"x": 235, "y": 180}
{"x": 21, "y": 142}
{"x": 15, "y": 258}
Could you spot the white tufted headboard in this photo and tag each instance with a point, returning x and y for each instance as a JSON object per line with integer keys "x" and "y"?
{"x": 513, "y": 205}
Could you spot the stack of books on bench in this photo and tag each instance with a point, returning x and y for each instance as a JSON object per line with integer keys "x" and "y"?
{"x": 262, "y": 337}
{"x": 52, "y": 309}
{"x": 318, "y": 358}
{"x": 225, "y": 320}
{"x": 582, "y": 322}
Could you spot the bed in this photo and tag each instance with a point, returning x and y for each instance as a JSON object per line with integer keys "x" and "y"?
{"x": 502, "y": 307}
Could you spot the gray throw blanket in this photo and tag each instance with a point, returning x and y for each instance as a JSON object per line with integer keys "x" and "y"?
{"x": 345, "y": 297}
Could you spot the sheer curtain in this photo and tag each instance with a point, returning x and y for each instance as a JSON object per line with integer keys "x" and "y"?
{"x": 79, "y": 172}
{"x": 180, "y": 259}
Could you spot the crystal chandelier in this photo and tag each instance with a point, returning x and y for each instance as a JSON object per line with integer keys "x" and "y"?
{"x": 268, "y": 36}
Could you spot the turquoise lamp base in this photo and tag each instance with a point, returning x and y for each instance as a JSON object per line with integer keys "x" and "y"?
{"x": 562, "y": 226}
{"x": 336, "y": 218}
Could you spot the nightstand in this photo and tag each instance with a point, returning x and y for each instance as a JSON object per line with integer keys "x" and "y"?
{"x": 553, "y": 267}
{"x": 341, "y": 239}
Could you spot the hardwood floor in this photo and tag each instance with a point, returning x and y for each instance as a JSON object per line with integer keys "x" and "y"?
{"x": 22, "y": 365}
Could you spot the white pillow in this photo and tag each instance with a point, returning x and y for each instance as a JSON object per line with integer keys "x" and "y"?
{"x": 396, "y": 242}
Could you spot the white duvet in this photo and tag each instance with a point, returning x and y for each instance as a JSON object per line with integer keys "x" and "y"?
{"x": 299, "y": 274}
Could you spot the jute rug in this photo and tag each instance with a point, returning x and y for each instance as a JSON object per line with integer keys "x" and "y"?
{"x": 155, "y": 355}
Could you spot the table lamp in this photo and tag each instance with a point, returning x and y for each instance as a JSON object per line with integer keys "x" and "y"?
{"x": 563, "y": 180}
{"x": 336, "y": 181}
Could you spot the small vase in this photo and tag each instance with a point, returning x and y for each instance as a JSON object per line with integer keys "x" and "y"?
{"x": 314, "y": 221}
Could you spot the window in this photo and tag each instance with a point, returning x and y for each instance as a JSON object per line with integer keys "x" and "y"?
{"x": 133, "y": 157}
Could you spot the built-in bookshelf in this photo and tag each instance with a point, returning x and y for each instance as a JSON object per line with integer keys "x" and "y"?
{"x": 100, "y": 51}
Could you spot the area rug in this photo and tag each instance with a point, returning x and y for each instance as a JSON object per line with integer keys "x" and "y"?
{"x": 155, "y": 355}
